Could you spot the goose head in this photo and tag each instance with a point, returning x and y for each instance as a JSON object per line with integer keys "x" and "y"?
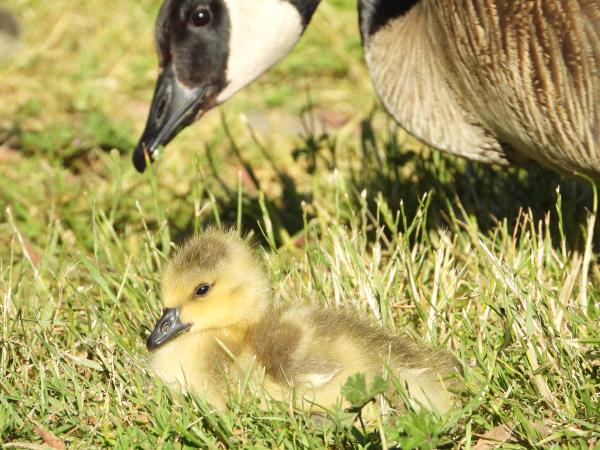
{"x": 210, "y": 49}
{"x": 213, "y": 282}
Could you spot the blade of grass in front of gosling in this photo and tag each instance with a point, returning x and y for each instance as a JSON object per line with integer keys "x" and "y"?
{"x": 158, "y": 209}
{"x": 51, "y": 248}
{"x": 11, "y": 411}
{"x": 421, "y": 234}
{"x": 215, "y": 208}
{"x": 116, "y": 171}
{"x": 95, "y": 238}
{"x": 561, "y": 223}
{"x": 198, "y": 189}
{"x": 98, "y": 278}
{"x": 588, "y": 303}
{"x": 239, "y": 205}
{"x": 214, "y": 421}
{"x": 158, "y": 255}
{"x": 39, "y": 281}
{"x": 117, "y": 337}
{"x": 266, "y": 227}
{"x": 384, "y": 211}
{"x": 104, "y": 237}
{"x": 411, "y": 229}
{"x": 316, "y": 253}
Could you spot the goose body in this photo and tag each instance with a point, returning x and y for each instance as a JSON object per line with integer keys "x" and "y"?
{"x": 220, "y": 327}
{"x": 497, "y": 81}
{"x": 500, "y": 81}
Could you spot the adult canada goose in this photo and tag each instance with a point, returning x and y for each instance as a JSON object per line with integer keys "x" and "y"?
{"x": 10, "y": 33}
{"x": 220, "y": 323}
{"x": 492, "y": 80}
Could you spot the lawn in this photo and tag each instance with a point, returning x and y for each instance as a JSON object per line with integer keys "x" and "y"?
{"x": 497, "y": 265}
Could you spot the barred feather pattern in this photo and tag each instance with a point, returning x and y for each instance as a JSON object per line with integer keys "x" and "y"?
{"x": 496, "y": 80}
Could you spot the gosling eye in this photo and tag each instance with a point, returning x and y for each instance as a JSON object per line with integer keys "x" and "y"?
{"x": 200, "y": 16}
{"x": 202, "y": 290}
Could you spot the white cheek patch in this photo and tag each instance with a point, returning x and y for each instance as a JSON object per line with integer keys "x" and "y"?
{"x": 261, "y": 33}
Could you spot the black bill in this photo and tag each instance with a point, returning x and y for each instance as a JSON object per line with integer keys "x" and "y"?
{"x": 167, "y": 327}
{"x": 174, "y": 107}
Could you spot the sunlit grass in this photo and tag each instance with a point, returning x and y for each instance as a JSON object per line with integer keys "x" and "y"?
{"x": 488, "y": 263}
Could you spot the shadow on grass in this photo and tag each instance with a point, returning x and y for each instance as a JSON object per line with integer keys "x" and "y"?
{"x": 488, "y": 194}
{"x": 68, "y": 144}
{"x": 373, "y": 161}
{"x": 483, "y": 192}
{"x": 283, "y": 210}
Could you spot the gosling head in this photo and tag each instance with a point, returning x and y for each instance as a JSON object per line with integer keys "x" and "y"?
{"x": 213, "y": 282}
{"x": 210, "y": 49}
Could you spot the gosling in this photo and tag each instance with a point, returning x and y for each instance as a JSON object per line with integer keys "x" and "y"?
{"x": 220, "y": 324}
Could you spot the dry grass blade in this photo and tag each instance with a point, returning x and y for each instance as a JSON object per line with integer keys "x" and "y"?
{"x": 494, "y": 438}
{"x": 50, "y": 439}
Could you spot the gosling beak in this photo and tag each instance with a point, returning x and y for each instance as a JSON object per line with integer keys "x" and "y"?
{"x": 174, "y": 107}
{"x": 167, "y": 327}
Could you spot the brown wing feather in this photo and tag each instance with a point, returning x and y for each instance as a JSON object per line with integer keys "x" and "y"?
{"x": 529, "y": 69}
{"x": 525, "y": 73}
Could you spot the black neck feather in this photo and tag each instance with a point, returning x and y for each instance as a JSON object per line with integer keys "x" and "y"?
{"x": 374, "y": 14}
{"x": 306, "y": 8}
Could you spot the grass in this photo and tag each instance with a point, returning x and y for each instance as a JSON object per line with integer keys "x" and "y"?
{"x": 499, "y": 266}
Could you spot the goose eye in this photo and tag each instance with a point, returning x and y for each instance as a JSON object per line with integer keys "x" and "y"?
{"x": 201, "y": 16}
{"x": 202, "y": 290}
